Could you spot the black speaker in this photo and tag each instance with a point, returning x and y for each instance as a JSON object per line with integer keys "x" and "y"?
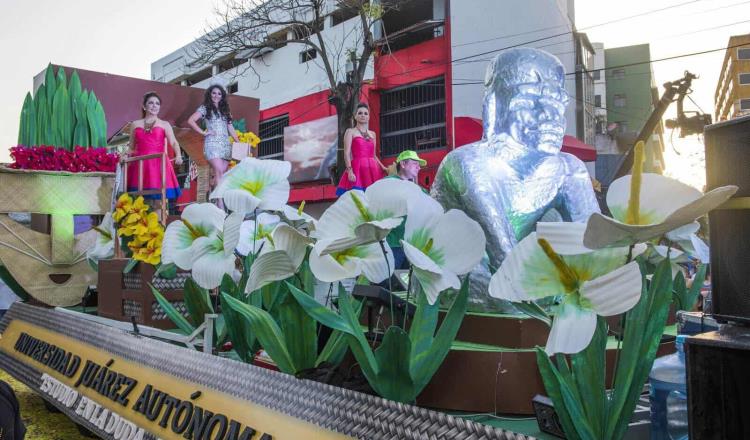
{"x": 718, "y": 389}
{"x": 728, "y": 163}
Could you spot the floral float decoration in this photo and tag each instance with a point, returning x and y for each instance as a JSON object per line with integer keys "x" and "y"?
{"x": 595, "y": 270}
{"x": 265, "y": 268}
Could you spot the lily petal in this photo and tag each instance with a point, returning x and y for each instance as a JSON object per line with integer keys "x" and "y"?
{"x": 373, "y": 264}
{"x": 434, "y": 283}
{"x": 209, "y": 262}
{"x": 572, "y": 330}
{"x": 460, "y": 239}
{"x": 526, "y": 274}
{"x": 603, "y": 231}
{"x": 269, "y": 267}
{"x": 661, "y": 196}
{"x": 419, "y": 259}
{"x": 291, "y": 241}
{"x": 239, "y": 200}
{"x": 327, "y": 269}
{"x": 616, "y": 292}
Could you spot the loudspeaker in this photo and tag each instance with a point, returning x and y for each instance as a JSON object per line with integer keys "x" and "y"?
{"x": 728, "y": 163}
{"x": 718, "y": 390}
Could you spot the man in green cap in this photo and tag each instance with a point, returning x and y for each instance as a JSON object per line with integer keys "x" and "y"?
{"x": 408, "y": 164}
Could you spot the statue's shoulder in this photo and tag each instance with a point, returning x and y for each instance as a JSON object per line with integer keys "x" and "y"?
{"x": 572, "y": 164}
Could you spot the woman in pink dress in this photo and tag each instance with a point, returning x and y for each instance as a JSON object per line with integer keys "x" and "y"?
{"x": 151, "y": 135}
{"x": 363, "y": 168}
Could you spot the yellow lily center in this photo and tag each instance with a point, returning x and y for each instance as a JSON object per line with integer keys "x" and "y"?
{"x": 193, "y": 230}
{"x": 632, "y": 217}
{"x": 253, "y": 186}
{"x": 301, "y": 208}
{"x": 361, "y": 208}
{"x": 567, "y": 275}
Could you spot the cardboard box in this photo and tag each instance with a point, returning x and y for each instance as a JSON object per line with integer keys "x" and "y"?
{"x": 241, "y": 150}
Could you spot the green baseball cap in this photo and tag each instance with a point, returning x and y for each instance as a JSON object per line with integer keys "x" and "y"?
{"x": 410, "y": 154}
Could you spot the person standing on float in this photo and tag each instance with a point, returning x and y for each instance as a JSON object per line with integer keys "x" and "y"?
{"x": 408, "y": 165}
{"x": 216, "y": 147}
{"x": 152, "y": 135}
{"x": 363, "y": 168}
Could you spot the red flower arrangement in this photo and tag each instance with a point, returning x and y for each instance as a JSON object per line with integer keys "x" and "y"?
{"x": 80, "y": 160}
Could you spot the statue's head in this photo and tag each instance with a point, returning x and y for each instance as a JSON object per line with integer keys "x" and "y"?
{"x": 525, "y": 98}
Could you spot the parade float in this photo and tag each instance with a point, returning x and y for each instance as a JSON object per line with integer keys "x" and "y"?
{"x": 576, "y": 301}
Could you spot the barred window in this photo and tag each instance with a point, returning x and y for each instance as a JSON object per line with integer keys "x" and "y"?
{"x": 271, "y": 132}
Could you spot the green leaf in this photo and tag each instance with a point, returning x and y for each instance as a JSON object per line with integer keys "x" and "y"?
{"x": 93, "y": 264}
{"x": 128, "y": 267}
{"x": 393, "y": 380}
{"x": 588, "y": 372}
{"x": 167, "y": 271}
{"x": 27, "y": 130}
{"x": 680, "y": 291}
{"x": 51, "y": 85}
{"x": 272, "y": 295}
{"x": 300, "y": 333}
{"x": 197, "y": 302}
{"x": 533, "y": 309}
{"x": 243, "y": 339}
{"x": 61, "y": 78}
{"x": 248, "y": 264}
{"x": 426, "y": 363}
{"x": 268, "y": 332}
{"x": 62, "y": 119}
{"x": 172, "y": 313}
{"x": 423, "y": 327}
{"x": 335, "y": 349}
{"x": 319, "y": 312}
{"x": 567, "y": 407}
{"x": 644, "y": 326}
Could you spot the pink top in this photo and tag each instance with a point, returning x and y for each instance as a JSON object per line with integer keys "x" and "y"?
{"x": 366, "y": 169}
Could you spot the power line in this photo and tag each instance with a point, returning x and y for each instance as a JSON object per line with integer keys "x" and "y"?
{"x": 506, "y": 36}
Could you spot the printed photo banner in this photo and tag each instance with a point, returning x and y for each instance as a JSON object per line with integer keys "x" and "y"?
{"x": 126, "y": 387}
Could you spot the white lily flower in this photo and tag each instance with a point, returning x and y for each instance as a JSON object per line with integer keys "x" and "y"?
{"x": 553, "y": 262}
{"x": 213, "y": 255}
{"x": 297, "y": 217}
{"x": 647, "y": 206}
{"x": 255, "y": 184}
{"x": 282, "y": 262}
{"x": 197, "y": 220}
{"x": 358, "y": 218}
{"x": 256, "y": 235}
{"x": 104, "y": 247}
{"x": 440, "y": 245}
{"x": 350, "y": 263}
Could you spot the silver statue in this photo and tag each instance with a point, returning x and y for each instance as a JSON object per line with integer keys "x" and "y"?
{"x": 516, "y": 173}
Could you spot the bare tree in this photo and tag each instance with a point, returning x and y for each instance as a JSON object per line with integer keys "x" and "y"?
{"x": 252, "y": 27}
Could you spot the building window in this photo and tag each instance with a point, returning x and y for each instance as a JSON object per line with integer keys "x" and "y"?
{"x": 411, "y": 23}
{"x": 199, "y": 76}
{"x": 743, "y": 54}
{"x": 744, "y": 104}
{"x": 307, "y": 55}
{"x": 621, "y": 100}
{"x": 744, "y": 79}
{"x": 598, "y": 101}
{"x": 412, "y": 117}
{"x": 271, "y": 131}
{"x": 618, "y": 73}
{"x": 231, "y": 63}
{"x": 343, "y": 14}
{"x": 233, "y": 88}
{"x": 597, "y": 75}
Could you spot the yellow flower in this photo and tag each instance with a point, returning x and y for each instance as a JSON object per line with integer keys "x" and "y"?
{"x": 123, "y": 207}
{"x": 148, "y": 254}
{"x": 153, "y": 236}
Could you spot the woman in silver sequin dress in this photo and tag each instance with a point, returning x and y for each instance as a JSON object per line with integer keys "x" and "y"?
{"x": 216, "y": 147}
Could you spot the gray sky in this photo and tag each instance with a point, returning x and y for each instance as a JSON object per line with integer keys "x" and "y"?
{"x": 125, "y": 37}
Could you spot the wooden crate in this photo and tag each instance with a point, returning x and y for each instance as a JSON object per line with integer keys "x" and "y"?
{"x": 126, "y": 295}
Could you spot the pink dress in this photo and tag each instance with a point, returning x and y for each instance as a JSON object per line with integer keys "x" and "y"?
{"x": 366, "y": 168}
{"x": 150, "y": 143}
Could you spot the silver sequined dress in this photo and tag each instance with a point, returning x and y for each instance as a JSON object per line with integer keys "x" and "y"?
{"x": 216, "y": 145}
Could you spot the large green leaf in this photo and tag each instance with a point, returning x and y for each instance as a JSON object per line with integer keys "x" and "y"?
{"x": 644, "y": 326}
{"x": 426, "y": 363}
{"x": 101, "y": 121}
{"x": 319, "y": 312}
{"x": 197, "y": 302}
{"x": 61, "y": 78}
{"x": 685, "y": 298}
{"x": 242, "y": 337}
{"x": 50, "y": 84}
{"x": 92, "y": 118}
{"x": 172, "y": 313}
{"x": 300, "y": 333}
{"x": 62, "y": 119}
{"x": 423, "y": 326}
{"x": 588, "y": 374}
{"x": 40, "y": 106}
{"x": 560, "y": 389}
{"x": 335, "y": 349}
{"x": 268, "y": 332}
{"x": 27, "y": 128}
{"x": 394, "y": 381}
